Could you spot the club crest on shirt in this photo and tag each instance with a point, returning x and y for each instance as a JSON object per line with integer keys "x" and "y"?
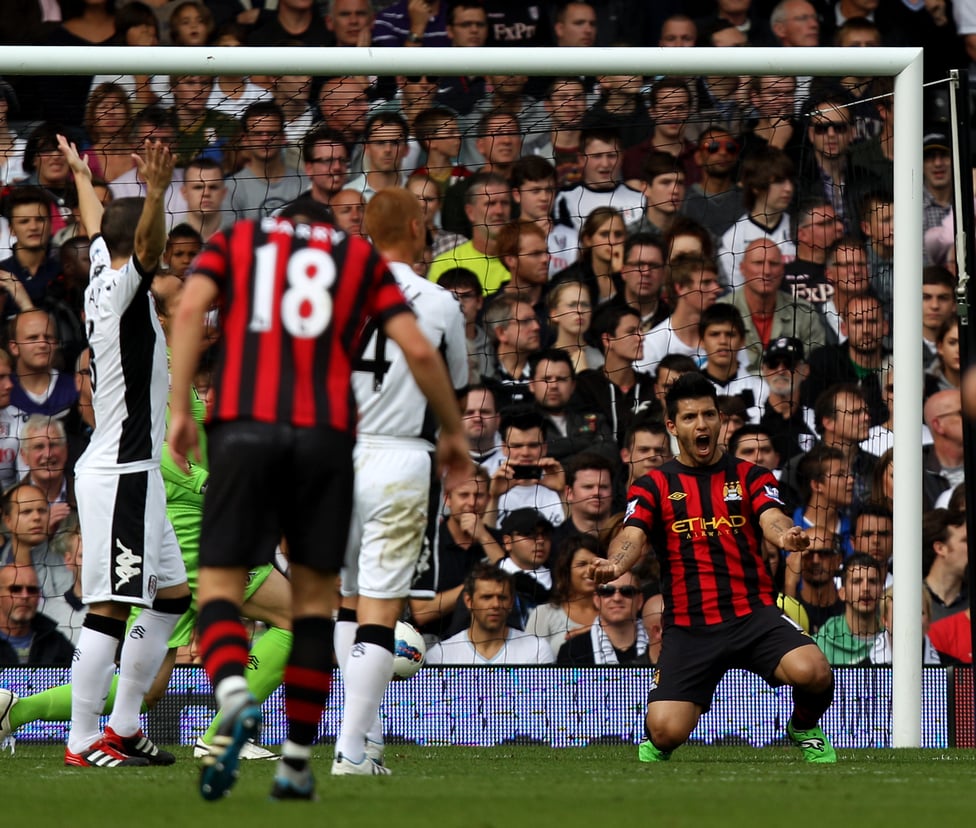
{"x": 732, "y": 491}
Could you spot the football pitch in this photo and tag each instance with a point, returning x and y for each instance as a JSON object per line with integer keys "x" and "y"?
{"x": 512, "y": 787}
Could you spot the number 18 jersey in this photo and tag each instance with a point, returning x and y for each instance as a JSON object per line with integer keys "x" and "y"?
{"x": 293, "y": 301}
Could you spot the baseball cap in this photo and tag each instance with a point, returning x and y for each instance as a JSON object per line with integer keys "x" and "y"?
{"x": 524, "y": 522}
{"x": 785, "y": 348}
{"x": 936, "y": 141}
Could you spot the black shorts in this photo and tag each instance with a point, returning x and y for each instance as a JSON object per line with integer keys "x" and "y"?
{"x": 270, "y": 480}
{"x": 694, "y": 659}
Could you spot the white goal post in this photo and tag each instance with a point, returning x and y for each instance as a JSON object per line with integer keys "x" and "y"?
{"x": 904, "y": 64}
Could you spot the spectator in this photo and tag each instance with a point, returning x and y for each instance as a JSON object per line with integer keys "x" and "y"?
{"x": 39, "y": 387}
{"x": 291, "y": 93}
{"x": 522, "y": 249}
{"x": 527, "y": 479}
{"x": 11, "y": 145}
{"x": 616, "y": 636}
{"x": 326, "y": 158}
{"x": 722, "y": 333}
{"x": 26, "y": 636}
{"x": 570, "y": 317}
{"x": 292, "y": 20}
{"x": 516, "y": 335}
{"x": 571, "y": 610}
{"x": 467, "y": 290}
{"x": 817, "y": 228}
{"x": 264, "y": 185}
{"x": 489, "y": 597}
{"x": 44, "y": 453}
{"x": 487, "y": 207}
{"x": 945, "y": 372}
{"x": 233, "y": 94}
{"x": 439, "y": 137}
{"x": 343, "y": 104}
{"x": 534, "y": 191}
{"x": 942, "y": 460}
{"x": 877, "y": 210}
{"x": 11, "y": 419}
{"x": 35, "y": 266}
{"x": 183, "y": 243}
{"x": 944, "y": 560}
{"x": 859, "y": 360}
{"x": 67, "y": 609}
{"x": 601, "y": 184}
{"x": 755, "y": 443}
{"x": 692, "y": 286}
{"x": 602, "y": 240}
{"x": 788, "y": 420}
{"x": 575, "y": 26}
{"x": 565, "y": 102}
{"x": 671, "y": 111}
{"x": 620, "y": 109}
{"x": 429, "y": 196}
{"x": 874, "y": 535}
{"x": 351, "y": 22}
{"x": 772, "y": 125}
{"x": 204, "y": 191}
{"x": 767, "y": 190}
{"x": 664, "y": 191}
{"x": 678, "y": 31}
{"x": 811, "y": 578}
{"x": 25, "y": 519}
{"x": 938, "y": 304}
{"x": 481, "y": 422}
{"x": 385, "y": 145}
{"x": 412, "y": 24}
{"x": 846, "y": 270}
{"x": 617, "y": 390}
{"x": 467, "y": 27}
{"x": 642, "y": 275}
{"x": 200, "y": 131}
{"x": 348, "y": 208}
{"x": 937, "y": 189}
{"x": 589, "y": 498}
{"x": 463, "y": 541}
{"x": 828, "y": 491}
{"x": 796, "y": 23}
{"x": 108, "y": 117}
{"x": 847, "y": 639}
{"x": 715, "y": 201}
{"x": 569, "y": 430}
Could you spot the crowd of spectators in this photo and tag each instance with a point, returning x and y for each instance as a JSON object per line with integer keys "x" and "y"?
{"x": 603, "y": 235}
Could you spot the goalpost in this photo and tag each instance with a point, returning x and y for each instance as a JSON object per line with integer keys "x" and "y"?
{"x": 904, "y": 64}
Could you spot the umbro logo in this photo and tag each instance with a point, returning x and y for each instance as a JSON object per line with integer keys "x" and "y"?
{"x": 677, "y": 496}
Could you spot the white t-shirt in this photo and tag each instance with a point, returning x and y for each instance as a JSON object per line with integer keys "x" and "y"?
{"x": 740, "y": 235}
{"x": 519, "y": 648}
{"x": 534, "y": 496}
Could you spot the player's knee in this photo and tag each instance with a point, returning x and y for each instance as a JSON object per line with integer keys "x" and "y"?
{"x": 813, "y": 674}
{"x": 666, "y": 732}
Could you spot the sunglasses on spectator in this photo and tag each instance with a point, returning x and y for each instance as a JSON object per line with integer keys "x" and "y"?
{"x": 607, "y": 591}
{"x": 824, "y": 127}
{"x": 24, "y": 589}
{"x": 715, "y": 146}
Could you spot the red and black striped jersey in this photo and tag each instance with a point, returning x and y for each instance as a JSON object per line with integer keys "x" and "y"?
{"x": 293, "y": 303}
{"x": 703, "y": 524}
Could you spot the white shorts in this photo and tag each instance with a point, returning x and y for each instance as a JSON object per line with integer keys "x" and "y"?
{"x": 130, "y": 551}
{"x": 389, "y": 521}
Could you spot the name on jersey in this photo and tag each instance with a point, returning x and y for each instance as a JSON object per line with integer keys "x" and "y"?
{"x": 707, "y": 527}
{"x": 317, "y": 232}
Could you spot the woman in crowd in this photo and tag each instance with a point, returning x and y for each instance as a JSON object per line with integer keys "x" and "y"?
{"x": 602, "y": 239}
{"x": 570, "y": 315}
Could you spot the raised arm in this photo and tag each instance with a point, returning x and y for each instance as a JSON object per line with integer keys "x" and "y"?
{"x": 88, "y": 203}
{"x": 156, "y": 169}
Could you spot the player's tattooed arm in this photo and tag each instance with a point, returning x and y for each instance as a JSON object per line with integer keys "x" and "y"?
{"x": 625, "y": 550}
{"x": 778, "y": 529}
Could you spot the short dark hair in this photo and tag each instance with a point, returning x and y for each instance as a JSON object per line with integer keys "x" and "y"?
{"x": 652, "y": 425}
{"x": 719, "y": 314}
{"x": 762, "y": 168}
{"x": 813, "y": 466}
{"x": 681, "y": 363}
{"x": 320, "y": 134}
{"x": 935, "y": 529}
{"x": 524, "y": 419}
{"x": 748, "y": 430}
{"x": 826, "y": 404}
{"x": 608, "y": 135}
{"x": 118, "y": 226}
{"x": 385, "y": 117}
{"x": 585, "y": 461}
{"x": 460, "y": 278}
{"x": 429, "y": 121}
{"x": 860, "y": 560}
{"x": 608, "y": 320}
{"x": 532, "y": 168}
{"x": 691, "y": 386}
{"x": 661, "y": 163}
{"x": 938, "y": 275}
{"x": 483, "y": 571}
{"x": 552, "y": 355}
{"x": 43, "y": 139}
{"x": 20, "y": 194}
{"x": 313, "y": 211}
{"x": 871, "y": 508}
{"x": 263, "y": 109}
{"x": 184, "y": 231}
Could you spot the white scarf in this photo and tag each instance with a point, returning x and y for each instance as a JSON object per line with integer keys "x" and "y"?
{"x": 603, "y": 651}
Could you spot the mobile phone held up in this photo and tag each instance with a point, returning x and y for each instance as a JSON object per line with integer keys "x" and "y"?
{"x": 527, "y": 472}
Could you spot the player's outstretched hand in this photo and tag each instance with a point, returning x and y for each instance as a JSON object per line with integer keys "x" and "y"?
{"x": 794, "y": 539}
{"x": 182, "y": 439}
{"x": 78, "y": 165}
{"x": 603, "y": 571}
{"x": 155, "y": 166}
{"x": 453, "y": 460}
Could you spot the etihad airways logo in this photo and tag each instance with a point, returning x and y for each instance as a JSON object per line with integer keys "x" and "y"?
{"x": 711, "y": 526}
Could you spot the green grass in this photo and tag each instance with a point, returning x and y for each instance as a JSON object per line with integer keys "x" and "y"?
{"x": 515, "y": 787}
